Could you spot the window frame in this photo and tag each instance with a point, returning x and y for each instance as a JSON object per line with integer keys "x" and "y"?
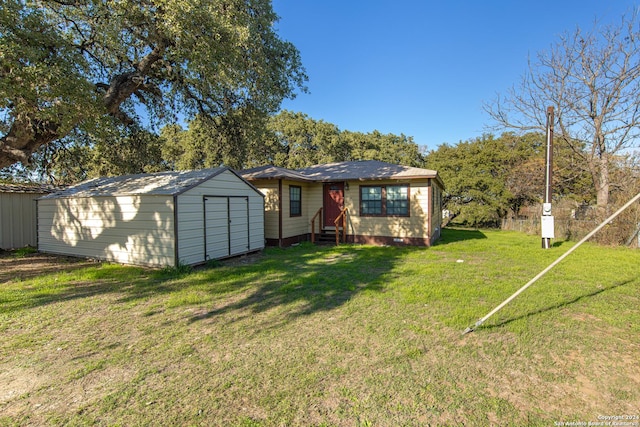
{"x": 384, "y": 201}
{"x": 293, "y": 213}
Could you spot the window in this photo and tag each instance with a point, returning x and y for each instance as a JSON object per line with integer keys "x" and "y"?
{"x": 295, "y": 200}
{"x": 397, "y": 200}
{"x": 371, "y": 201}
{"x": 384, "y": 200}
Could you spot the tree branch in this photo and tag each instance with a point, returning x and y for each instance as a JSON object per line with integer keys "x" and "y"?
{"x": 23, "y": 138}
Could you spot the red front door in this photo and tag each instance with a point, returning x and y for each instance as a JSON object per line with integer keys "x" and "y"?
{"x": 333, "y": 202}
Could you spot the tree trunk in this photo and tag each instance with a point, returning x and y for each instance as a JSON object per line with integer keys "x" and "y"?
{"x": 24, "y": 137}
{"x": 27, "y": 134}
{"x": 600, "y": 174}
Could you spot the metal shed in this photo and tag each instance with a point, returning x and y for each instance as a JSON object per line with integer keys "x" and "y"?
{"x": 18, "y": 214}
{"x": 160, "y": 219}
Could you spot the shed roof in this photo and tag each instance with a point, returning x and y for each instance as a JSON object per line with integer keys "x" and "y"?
{"x": 161, "y": 183}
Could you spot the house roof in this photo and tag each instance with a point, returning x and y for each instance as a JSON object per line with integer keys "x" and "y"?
{"x": 28, "y": 188}
{"x": 364, "y": 170}
{"x": 342, "y": 171}
{"x": 161, "y": 183}
{"x": 273, "y": 172}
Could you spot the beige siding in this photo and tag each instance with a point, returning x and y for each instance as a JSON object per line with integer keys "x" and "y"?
{"x": 191, "y": 236}
{"x": 295, "y": 225}
{"x": 417, "y": 226}
{"x": 126, "y": 229}
{"x": 291, "y": 226}
{"x": 315, "y": 201}
{"x": 269, "y": 188}
{"x": 414, "y": 226}
{"x": 18, "y": 220}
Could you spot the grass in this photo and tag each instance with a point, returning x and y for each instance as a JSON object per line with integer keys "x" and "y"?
{"x": 346, "y": 336}
{"x": 23, "y": 252}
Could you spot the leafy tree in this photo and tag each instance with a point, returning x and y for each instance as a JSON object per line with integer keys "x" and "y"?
{"x": 591, "y": 78}
{"x": 187, "y": 149}
{"x": 384, "y": 147}
{"x": 63, "y": 161}
{"x": 474, "y": 174}
{"x": 134, "y": 151}
{"x": 305, "y": 141}
{"x": 122, "y": 150}
{"x": 487, "y": 178}
{"x": 66, "y": 65}
{"x": 230, "y": 139}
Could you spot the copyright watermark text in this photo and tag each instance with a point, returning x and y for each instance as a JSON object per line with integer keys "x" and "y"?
{"x": 605, "y": 420}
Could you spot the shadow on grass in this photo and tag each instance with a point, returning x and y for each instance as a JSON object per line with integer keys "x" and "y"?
{"x": 560, "y": 304}
{"x": 451, "y": 235}
{"x": 307, "y": 279}
{"x": 73, "y": 281}
{"x": 303, "y": 279}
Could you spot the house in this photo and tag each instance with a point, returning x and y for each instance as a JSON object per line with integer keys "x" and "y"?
{"x": 374, "y": 202}
{"x": 160, "y": 219}
{"x": 18, "y": 214}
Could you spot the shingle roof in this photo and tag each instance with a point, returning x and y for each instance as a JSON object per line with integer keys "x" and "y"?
{"x": 273, "y": 172}
{"x": 161, "y": 183}
{"x": 364, "y": 170}
{"x": 28, "y": 188}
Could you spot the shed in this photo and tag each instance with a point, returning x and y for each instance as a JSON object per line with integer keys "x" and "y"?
{"x": 160, "y": 219}
{"x": 18, "y": 214}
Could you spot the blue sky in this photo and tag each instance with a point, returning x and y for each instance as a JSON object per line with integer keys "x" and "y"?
{"x": 420, "y": 67}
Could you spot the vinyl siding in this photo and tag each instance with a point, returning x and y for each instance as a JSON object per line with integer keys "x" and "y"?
{"x": 295, "y": 225}
{"x": 315, "y": 201}
{"x": 126, "y": 229}
{"x": 269, "y": 188}
{"x": 18, "y": 220}
{"x": 422, "y": 226}
{"x": 191, "y": 237}
{"x": 414, "y": 226}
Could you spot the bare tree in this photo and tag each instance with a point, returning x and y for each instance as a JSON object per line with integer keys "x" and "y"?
{"x": 592, "y": 78}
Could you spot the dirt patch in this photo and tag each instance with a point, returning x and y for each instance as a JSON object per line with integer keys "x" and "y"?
{"x": 15, "y": 382}
{"x": 14, "y": 267}
{"x": 245, "y": 259}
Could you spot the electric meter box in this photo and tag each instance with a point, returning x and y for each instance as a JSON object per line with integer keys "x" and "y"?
{"x": 547, "y": 227}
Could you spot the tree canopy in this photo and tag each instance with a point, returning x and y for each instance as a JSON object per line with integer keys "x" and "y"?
{"x": 68, "y": 65}
{"x": 288, "y": 139}
{"x": 489, "y": 178}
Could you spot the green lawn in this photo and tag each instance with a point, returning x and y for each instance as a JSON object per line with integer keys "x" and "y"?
{"x": 346, "y": 336}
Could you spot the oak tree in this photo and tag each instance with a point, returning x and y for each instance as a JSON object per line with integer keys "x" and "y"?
{"x": 67, "y": 64}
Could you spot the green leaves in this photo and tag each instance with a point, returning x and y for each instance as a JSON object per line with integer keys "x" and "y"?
{"x": 488, "y": 178}
{"x": 304, "y": 141}
{"x": 67, "y": 64}
{"x": 41, "y": 72}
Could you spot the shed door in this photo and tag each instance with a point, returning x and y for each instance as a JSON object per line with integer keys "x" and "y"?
{"x": 226, "y": 226}
{"x": 238, "y": 225}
